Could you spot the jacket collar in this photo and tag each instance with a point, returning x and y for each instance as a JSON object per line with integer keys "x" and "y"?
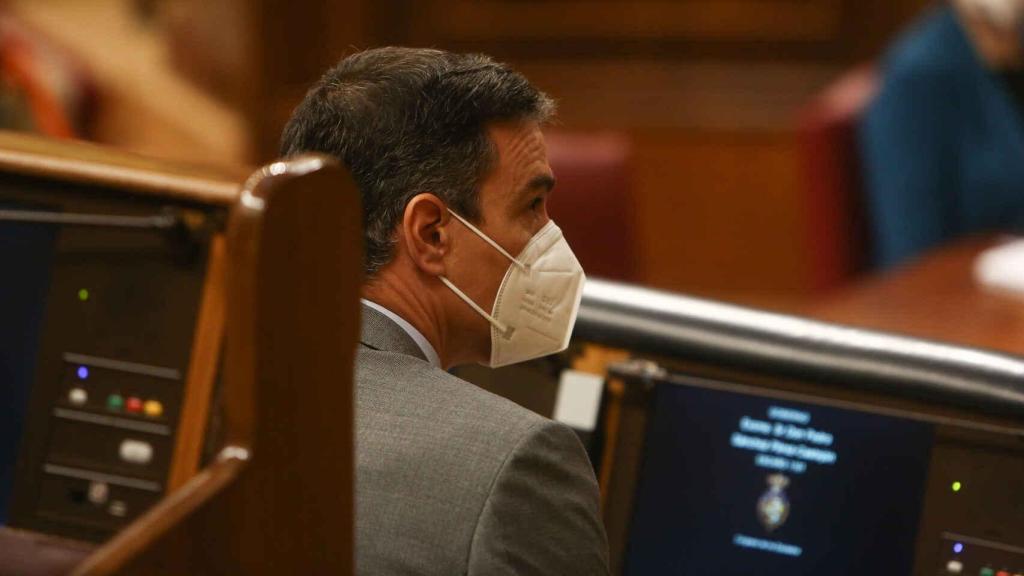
{"x": 381, "y": 333}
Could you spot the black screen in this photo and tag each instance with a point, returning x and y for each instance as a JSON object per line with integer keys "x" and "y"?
{"x": 737, "y": 484}
{"x": 26, "y": 252}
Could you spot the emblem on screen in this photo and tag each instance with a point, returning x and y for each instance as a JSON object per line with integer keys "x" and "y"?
{"x": 773, "y": 505}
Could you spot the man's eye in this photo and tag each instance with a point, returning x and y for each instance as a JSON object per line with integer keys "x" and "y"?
{"x": 536, "y": 203}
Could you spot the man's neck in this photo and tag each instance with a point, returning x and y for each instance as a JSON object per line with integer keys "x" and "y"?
{"x": 414, "y": 307}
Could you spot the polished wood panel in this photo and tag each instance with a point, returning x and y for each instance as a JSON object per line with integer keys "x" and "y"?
{"x": 935, "y": 297}
{"x": 700, "y": 98}
{"x": 595, "y": 359}
{"x": 202, "y": 369}
{"x": 768, "y": 30}
{"x": 87, "y": 163}
{"x": 717, "y": 215}
{"x": 626, "y": 426}
{"x": 572, "y": 20}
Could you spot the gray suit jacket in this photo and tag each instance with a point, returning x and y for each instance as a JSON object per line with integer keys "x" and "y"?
{"x": 451, "y": 479}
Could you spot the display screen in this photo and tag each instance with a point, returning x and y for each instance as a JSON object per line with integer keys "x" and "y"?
{"x": 740, "y": 484}
{"x": 26, "y": 252}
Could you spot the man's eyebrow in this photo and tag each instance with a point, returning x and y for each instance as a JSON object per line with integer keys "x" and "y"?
{"x": 543, "y": 182}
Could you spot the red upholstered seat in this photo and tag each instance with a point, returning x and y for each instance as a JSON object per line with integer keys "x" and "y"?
{"x": 592, "y": 202}
{"x": 832, "y": 194}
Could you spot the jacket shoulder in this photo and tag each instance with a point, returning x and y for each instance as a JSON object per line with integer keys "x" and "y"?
{"x": 429, "y": 448}
{"x": 542, "y": 515}
{"x": 398, "y": 385}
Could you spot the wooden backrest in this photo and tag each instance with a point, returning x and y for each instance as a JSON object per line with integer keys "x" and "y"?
{"x": 278, "y": 499}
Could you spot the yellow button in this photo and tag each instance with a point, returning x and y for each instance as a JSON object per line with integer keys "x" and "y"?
{"x": 153, "y": 408}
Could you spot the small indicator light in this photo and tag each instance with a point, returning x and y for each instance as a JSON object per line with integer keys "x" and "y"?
{"x": 957, "y": 486}
{"x": 153, "y": 409}
{"x": 83, "y": 295}
{"x": 987, "y": 572}
{"x": 1002, "y": 573}
{"x": 958, "y": 548}
{"x": 954, "y": 567}
{"x": 115, "y": 402}
{"x": 83, "y": 372}
{"x": 134, "y": 404}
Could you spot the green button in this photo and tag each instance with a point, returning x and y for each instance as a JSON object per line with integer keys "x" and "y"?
{"x": 987, "y": 572}
{"x": 115, "y": 402}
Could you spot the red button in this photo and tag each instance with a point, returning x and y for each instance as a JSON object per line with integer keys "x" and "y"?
{"x": 134, "y": 404}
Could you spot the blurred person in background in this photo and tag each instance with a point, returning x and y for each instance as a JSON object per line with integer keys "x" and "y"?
{"x": 943, "y": 143}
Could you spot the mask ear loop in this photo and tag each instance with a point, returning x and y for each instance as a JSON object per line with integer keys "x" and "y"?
{"x": 488, "y": 239}
{"x": 505, "y": 332}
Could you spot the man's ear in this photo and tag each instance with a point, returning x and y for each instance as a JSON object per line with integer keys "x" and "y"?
{"x": 424, "y": 229}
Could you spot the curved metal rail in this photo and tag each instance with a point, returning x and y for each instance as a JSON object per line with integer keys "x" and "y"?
{"x": 654, "y": 322}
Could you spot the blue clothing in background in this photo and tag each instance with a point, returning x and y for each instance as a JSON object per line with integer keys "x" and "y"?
{"x": 942, "y": 145}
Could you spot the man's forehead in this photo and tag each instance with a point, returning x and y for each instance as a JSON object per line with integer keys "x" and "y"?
{"x": 516, "y": 134}
{"x": 522, "y": 152}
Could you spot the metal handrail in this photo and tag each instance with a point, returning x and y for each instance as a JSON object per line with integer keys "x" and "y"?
{"x": 654, "y": 322}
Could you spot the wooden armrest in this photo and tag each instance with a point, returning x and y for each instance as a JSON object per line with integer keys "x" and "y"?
{"x": 168, "y": 513}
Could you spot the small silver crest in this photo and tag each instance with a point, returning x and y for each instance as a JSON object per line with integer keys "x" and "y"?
{"x": 773, "y": 506}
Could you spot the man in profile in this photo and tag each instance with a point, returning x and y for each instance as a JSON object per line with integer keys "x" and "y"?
{"x": 462, "y": 265}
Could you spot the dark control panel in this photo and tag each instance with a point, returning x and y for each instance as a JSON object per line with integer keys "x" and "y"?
{"x": 968, "y": 555}
{"x": 973, "y": 521}
{"x": 741, "y": 479}
{"x": 93, "y": 365}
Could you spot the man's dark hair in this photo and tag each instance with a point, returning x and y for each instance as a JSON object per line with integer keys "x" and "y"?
{"x": 406, "y": 121}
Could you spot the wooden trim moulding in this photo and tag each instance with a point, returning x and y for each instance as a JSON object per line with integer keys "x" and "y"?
{"x": 768, "y": 20}
{"x": 202, "y": 370}
{"x": 92, "y": 164}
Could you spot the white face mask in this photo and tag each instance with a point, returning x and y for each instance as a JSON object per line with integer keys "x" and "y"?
{"x": 536, "y": 305}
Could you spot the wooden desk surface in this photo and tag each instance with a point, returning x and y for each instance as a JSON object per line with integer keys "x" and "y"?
{"x": 935, "y": 297}
{"x": 25, "y": 553}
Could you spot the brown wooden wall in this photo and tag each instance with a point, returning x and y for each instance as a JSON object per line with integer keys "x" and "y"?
{"x": 706, "y": 89}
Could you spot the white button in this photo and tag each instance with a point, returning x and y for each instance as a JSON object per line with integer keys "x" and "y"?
{"x": 117, "y": 508}
{"x": 98, "y": 492}
{"x": 136, "y": 451}
{"x": 954, "y": 567}
{"x": 78, "y": 396}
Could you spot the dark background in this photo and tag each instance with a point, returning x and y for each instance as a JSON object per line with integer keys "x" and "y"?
{"x": 857, "y": 516}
